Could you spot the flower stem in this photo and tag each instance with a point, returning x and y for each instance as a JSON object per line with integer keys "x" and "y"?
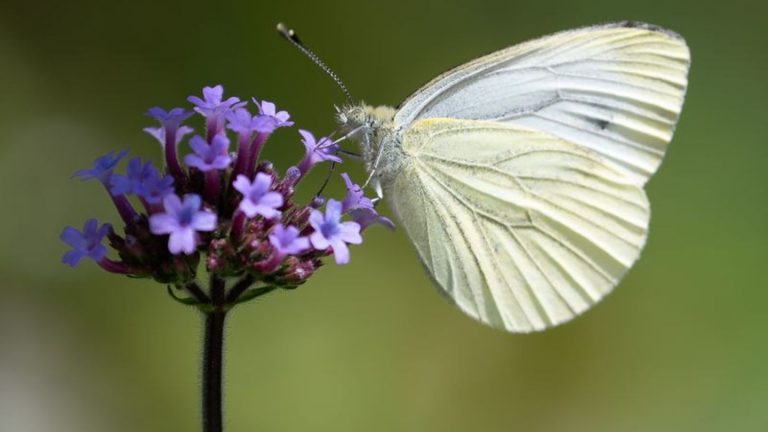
{"x": 213, "y": 359}
{"x": 255, "y": 151}
{"x": 212, "y": 185}
{"x": 171, "y": 157}
{"x": 125, "y": 208}
{"x": 239, "y": 288}
{"x": 212, "y": 371}
{"x": 197, "y": 292}
{"x": 243, "y": 150}
{"x": 238, "y": 225}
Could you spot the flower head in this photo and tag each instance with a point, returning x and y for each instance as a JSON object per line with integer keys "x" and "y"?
{"x": 258, "y": 227}
{"x": 209, "y": 157}
{"x": 102, "y": 167}
{"x": 287, "y": 241}
{"x": 258, "y": 199}
{"x": 331, "y": 232}
{"x": 269, "y": 118}
{"x": 86, "y": 243}
{"x": 182, "y": 220}
{"x": 317, "y": 151}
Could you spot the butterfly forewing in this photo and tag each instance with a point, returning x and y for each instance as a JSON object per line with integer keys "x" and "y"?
{"x": 616, "y": 89}
{"x": 523, "y": 230}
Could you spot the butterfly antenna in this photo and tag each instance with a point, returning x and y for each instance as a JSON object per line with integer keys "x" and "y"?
{"x": 293, "y": 38}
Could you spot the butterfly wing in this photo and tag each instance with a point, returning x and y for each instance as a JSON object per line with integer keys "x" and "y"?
{"x": 521, "y": 229}
{"x": 616, "y": 89}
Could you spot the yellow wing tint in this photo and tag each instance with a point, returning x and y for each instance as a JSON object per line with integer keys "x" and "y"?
{"x": 521, "y": 229}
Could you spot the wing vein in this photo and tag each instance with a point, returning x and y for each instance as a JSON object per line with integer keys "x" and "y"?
{"x": 480, "y": 269}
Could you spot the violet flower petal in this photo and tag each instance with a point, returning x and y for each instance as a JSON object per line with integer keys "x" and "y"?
{"x": 287, "y": 241}
{"x": 86, "y": 243}
{"x": 330, "y": 231}
{"x": 258, "y": 199}
{"x": 208, "y": 157}
{"x": 102, "y": 167}
{"x": 182, "y": 220}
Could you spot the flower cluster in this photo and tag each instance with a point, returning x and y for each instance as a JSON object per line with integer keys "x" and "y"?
{"x": 224, "y": 205}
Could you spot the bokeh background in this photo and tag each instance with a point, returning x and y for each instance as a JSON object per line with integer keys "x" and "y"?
{"x": 681, "y": 345}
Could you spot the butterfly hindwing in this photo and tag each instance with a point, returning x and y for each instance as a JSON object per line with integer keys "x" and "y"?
{"x": 523, "y": 230}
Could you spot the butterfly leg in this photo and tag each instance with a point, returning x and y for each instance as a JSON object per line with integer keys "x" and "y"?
{"x": 346, "y": 153}
{"x": 357, "y": 157}
{"x": 379, "y": 193}
{"x": 331, "y": 169}
{"x": 373, "y": 169}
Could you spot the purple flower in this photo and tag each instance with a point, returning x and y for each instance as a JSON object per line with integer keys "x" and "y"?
{"x": 249, "y": 226}
{"x": 317, "y": 151}
{"x": 102, "y": 170}
{"x": 159, "y": 133}
{"x": 212, "y": 105}
{"x": 366, "y": 217}
{"x": 213, "y": 108}
{"x": 286, "y": 240}
{"x": 182, "y": 220}
{"x": 130, "y": 183}
{"x": 143, "y": 180}
{"x": 154, "y": 187}
{"x": 169, "y": 120}
{"x": 209, "y": 157}
{"x": 241, "y": 121}
{"x": 169, "y": 134}
{"x": 86, "y": 243}
{"x": 330, "y": 231}
{"x": 257, "y": 196}
{"x": 102, "y": 167}
{"x": 355, "y": 198}
{"x": 269, "y": 119}
{"x": 361, "y": 208}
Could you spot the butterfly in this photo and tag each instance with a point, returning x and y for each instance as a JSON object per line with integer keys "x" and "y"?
{"x": 519, "y": 176}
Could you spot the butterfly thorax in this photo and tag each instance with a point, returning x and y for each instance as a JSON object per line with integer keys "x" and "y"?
{"x": 375, "y": 131}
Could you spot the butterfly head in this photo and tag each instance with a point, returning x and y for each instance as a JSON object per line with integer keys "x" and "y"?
{"x": 371, "y": 126}
{"x": 365, "y": 118}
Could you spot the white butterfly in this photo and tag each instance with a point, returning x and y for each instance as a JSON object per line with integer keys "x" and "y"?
{"x": 519, "y": 176}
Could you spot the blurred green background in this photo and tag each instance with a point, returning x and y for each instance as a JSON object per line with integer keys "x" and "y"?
{"x": 679, "y": 346}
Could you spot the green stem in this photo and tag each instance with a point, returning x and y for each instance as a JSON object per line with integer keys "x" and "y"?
{"x": 213, "y": 359}
{"x": 194, "y": 289}
{"x": 240, "y": 287}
